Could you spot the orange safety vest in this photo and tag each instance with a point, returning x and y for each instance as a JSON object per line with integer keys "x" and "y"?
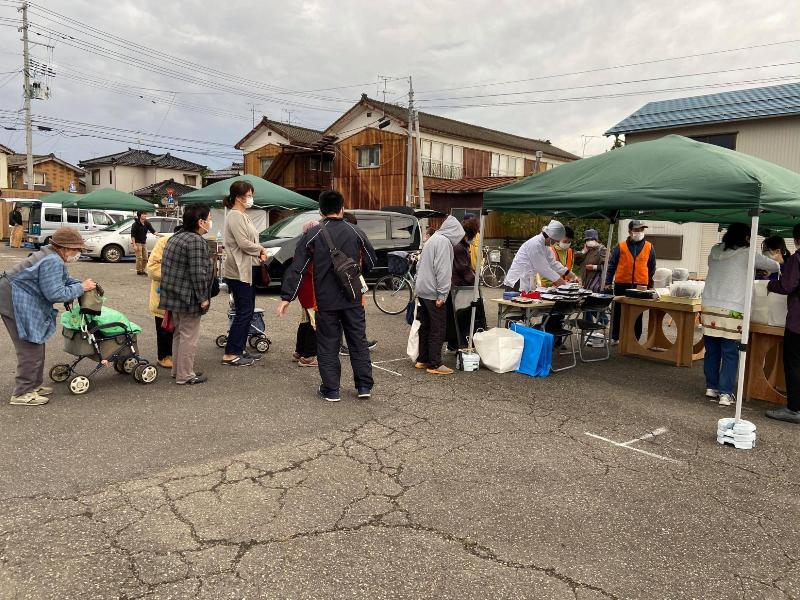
{"x": 570, "y": 256}
{"x": 630, "y": 269}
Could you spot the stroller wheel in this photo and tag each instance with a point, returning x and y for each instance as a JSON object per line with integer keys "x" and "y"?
{"x": 145, "y": 374}
{"x": 79, "y": 384}
{"x": 129, "y": 364}
{"x": 262, "y": 344}
{"x": 59, "y": 373}
{"x": 118, "y": 366}
{"x": 221, "y": 341}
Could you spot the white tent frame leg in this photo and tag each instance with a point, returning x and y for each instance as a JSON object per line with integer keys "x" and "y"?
{"x": 748, "y": 305}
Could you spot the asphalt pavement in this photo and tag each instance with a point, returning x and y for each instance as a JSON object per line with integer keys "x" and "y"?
{"x": 605, "y": 481}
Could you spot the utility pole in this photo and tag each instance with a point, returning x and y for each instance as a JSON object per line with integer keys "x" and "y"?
{"x": 420, "y": 182}
{"x": 410, "y": 150}
{"x": 26, "y": 70}
{"x": 253, "y": 110}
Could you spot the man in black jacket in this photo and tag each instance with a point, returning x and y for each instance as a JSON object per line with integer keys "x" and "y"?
{"x": 335, "y": 312}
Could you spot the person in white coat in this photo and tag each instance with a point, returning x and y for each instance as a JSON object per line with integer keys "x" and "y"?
{"x": 535, "y": 257}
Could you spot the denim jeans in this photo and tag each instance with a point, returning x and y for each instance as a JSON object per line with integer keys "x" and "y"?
{"x": 721, "y": 363}
{"x": 244, "y": 301}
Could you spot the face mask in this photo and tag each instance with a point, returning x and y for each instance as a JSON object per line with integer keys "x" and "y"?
{"x": 564, "y": 245}
{"x": 248, "y": 202}
{"x": 210, "y": 226}
{"x": 73, "y": 258}
{"x": 637, "y": 236}
{"x": 592, "y": 243}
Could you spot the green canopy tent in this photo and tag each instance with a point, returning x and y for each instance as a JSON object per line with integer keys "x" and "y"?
{"x": 109, "y": 199}
{"x": 60, "y": 197}
{"x": 670, "y": 179}
{"x": 266, "y": 194}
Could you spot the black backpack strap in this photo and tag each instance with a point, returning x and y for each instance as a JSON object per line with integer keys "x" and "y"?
{"x": 328, "y": 239}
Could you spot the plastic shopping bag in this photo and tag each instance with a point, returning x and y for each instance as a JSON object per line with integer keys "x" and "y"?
{"x": 412, "y": 347}
{"x": 500, "y": 349}
{"x": 759, "y": 312}
{"x": 537, "y": 355}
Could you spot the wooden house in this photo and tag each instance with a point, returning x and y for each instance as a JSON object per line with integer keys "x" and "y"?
{"x": 50, "y": 173}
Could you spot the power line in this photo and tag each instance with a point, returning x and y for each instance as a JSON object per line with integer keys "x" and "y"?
{"x": 622, "y": 66}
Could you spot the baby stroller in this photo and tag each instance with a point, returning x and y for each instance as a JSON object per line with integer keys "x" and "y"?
{"x": 256, "y": 336}
{"x": 106, "y": 337}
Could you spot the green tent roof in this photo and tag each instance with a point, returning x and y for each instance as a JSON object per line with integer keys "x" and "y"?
{"x": 267, "y": 194}
{"x": 669, "y": 179}
{"x": 110, "y": 199}
{"x": 60, "y": 197}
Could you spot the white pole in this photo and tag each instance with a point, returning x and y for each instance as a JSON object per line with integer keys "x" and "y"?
{"x": 608, "y": 255}
{"x": 748, "y": 305}
{"x": 476, "y": 296}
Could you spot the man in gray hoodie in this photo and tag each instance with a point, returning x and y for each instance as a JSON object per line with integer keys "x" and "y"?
{"x": 434, "y": 273}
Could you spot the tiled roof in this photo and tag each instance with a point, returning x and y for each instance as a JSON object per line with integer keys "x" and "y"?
{"x": 738, "y": 105}
{"x": 143, "y": 158}
{"x": 467, "y": 131}
{"x": 297, "y": 136}
{"x": 468, "y": 184}
{"x": 6, "y": 149}
{"x": 232, "y": 171}
{"x": 20, "y": 160}
{"x": 160, "y": 189}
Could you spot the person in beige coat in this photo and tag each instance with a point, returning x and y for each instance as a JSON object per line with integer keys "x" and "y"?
{"x": 243, "y": 253}
{"x": 163, "y": 337}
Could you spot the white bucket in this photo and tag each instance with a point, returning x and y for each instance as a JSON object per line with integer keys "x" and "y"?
{"x": 467, "y": 361}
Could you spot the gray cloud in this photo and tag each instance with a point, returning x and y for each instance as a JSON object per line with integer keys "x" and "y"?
{"x": 314, "y": 44}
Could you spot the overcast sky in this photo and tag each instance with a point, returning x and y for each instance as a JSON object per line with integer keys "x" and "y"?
{"x": 452, "y": 49}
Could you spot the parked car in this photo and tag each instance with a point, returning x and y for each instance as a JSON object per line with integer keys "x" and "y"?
{"x": 46, "y": 217}
{"x": 114, "y": 242}
{"x": 387, "y": 231}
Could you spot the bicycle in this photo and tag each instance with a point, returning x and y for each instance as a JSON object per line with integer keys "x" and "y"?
{"x": 394, "y": 291}
{"x": 492, "y": 274}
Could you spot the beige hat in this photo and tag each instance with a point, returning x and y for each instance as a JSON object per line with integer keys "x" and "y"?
{"x": 67, "y": 237}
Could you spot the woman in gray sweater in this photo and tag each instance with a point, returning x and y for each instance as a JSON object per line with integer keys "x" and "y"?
{"x": 243, "y": 253}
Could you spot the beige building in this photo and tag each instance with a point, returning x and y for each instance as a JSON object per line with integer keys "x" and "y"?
{"x": 135, "y": 169}
{"x": 761, "y": 122}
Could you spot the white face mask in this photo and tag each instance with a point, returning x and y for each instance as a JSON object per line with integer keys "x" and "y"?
{"x": 73, "y": 258}
{"x": 210, "y": 226}
{"x": 248, "y": 202}
{"x": 592, "y": 243}
{"x": 564, "y": 245}
{"x": 637, "y": 236}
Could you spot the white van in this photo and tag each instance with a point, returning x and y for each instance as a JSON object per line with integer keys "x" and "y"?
{"x": 46, "y": 217}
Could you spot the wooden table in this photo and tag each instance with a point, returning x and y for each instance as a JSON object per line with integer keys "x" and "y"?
{"x": 764, "y": 378}
{"x": 530, "y": 308}
{"x": 682, "y": 353}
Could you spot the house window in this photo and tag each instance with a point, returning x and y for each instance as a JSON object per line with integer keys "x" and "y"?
{"x": 504, "y": 165}
{"x": 369, "y": 157}
{"x": 96, "y": 177}
{"x": 315, "y": 162}
{"x": 110, "y": 177}
{"x": 667, "y": 247}
{"x": 265, "y": 164}
{"x": 39, "y": 179}
{"x": 723, "y": 140}
{"x": 442, "y": 160}
{"x": 190, "y": 180}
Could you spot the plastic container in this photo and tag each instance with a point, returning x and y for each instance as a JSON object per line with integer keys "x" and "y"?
{"x": 510, "y": 295}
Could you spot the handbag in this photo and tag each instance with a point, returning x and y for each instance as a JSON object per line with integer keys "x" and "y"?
{"x": 91, "y": 302}
{"x": 537, "y": 353}
{"x": 345, "y": 268}
{"x": 213, "y": 286}
{"x": 167, "y": 324}
{"x": 412, "y": 347}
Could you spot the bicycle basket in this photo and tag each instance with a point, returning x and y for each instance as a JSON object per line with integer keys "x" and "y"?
{"x": 494, "y": 256}
{"x": 398, "y": 262}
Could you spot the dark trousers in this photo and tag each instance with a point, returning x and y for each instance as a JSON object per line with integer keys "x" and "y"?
{"x": 619, "y": 290}
{"x": 306, "y": 345}
{"x": 244, "y": 302}
{"x": 791, "y": 368}
{"x": 432, "y": 326}
{"x": 30, "y": 361}
{"x": 463, "y": 317}
{"x": 163, "y": 340}
{"x": 330, "y": 324}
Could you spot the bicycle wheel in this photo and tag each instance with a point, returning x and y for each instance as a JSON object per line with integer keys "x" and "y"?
{"x": 392, "y": 294}
{"x": 493, "y": 275}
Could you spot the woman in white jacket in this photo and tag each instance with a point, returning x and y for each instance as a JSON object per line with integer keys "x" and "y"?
{"x": 723, "y": 307}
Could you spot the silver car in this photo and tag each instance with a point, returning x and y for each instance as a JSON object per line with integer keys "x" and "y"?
{"x": 114, "y": 242}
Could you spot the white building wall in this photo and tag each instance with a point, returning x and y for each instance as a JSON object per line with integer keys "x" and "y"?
{"x": 129, "y": 179}
{"x": 4, "y": 182}
{"x": 261, "y": 138}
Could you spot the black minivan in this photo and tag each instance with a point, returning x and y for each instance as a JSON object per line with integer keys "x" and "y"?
{"x": 386, "y": 230}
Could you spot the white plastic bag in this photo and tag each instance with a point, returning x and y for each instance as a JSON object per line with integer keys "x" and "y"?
{"x": 500, "y": 349}
{"x": 412, "y": 348}
{"x": 759, "y": 312}
{"x": 776, "y": 310}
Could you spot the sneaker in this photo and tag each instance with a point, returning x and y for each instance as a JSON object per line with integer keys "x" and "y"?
{"x": 712, "y": 394}
{"x": 197, "y": 379}
{"x": 784, "y": 414}
{"x": 344, "y": 350}
{"x": 328, "y": 396}
{"x": 420, "y": 365}
{"x": 253, "y": 355}
{"x": 295, "y": 356}
{"x": 441, "y": 370}
{"x": 308, "y": 362}
{"x": 372, "y": 345}
{"x": 29, "y": 399}
{"x": 43, "y": 390}
{"x": 239, "y": 361}
{"x": 197, "y": 374}
{"x": 165, "y": 363}
{"x": 364, "y": 393}
{"x": 727, "y": 399}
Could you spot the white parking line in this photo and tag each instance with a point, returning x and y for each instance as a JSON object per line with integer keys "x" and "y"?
{"x": 387, "y": 370}
{"x": 644, "y": 437}
{"x": 383, "y": 362}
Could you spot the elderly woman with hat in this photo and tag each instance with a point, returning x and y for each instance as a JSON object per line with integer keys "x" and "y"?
{"x": 27, "y": 294}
